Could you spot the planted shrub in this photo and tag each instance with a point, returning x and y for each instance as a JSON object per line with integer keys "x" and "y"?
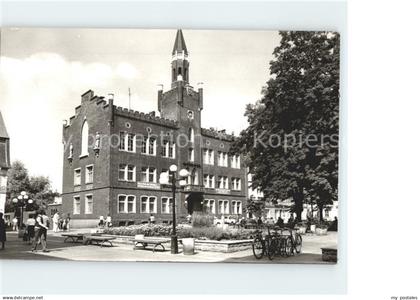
{"x": 199, "y": 219}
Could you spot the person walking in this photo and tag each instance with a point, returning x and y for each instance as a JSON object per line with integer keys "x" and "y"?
{"x": 108, "y": 222}
{"x": 101, "y": 223}
{"x": 152, "y": 219}
{"x": 55, "y": 220}
{"x": 2, "y": 231}
{"x": 15, "y": 224}
{"x": 40, "y": 233}
{"x": 68, "y": 222}
{"x": 30, "y": 228}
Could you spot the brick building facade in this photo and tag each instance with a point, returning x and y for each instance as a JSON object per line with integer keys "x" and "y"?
{"x": 113, "y": 157}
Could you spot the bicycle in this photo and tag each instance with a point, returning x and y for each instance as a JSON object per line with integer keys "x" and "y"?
{"x": 259, "y": 245}
{"x": 292, "y": 242}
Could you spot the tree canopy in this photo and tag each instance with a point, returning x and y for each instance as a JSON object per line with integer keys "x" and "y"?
{"x": 38, "y": 187}
{"x": 291, "y": 144}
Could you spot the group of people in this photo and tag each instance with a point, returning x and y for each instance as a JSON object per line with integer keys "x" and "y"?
{"x": 61, "y": 223}
{"x": 35, "y": 230}
{"x": 105, "y": 222}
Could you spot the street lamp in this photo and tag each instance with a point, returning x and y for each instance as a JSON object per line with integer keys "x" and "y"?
{"x": 182, "y": 182}
{"x": 20, "y": 202}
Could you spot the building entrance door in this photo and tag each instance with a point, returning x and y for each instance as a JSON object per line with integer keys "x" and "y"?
{"x": 194, "y": 202}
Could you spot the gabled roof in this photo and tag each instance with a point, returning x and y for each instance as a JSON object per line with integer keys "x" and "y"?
{"x": 3, "y": 131}
{"x": 179, "y": 44}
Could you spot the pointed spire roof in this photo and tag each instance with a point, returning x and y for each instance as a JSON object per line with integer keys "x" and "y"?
{"x": 179, "y": 44}
{"x": 3, "y": 131}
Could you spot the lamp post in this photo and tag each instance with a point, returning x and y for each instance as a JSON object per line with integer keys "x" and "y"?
{"x": 182, "y": 182}
{"x": 20, "y": 202}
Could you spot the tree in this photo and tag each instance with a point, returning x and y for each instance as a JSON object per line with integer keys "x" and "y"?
{"x": 291, "y": 143}
{"x": 38, "y": 187}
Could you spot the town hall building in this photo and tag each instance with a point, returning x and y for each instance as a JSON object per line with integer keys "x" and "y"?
{"x": 114, "y": 157}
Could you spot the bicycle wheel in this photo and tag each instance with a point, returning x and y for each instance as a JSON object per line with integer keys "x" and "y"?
{"x": 298, "y": 243}
{"x": 283, "y": 246}
{"x": 258, "y": 248}
{"x": 289, "y": 246}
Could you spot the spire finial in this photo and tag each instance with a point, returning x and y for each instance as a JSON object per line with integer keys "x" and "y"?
{"x": 179, "y": 45}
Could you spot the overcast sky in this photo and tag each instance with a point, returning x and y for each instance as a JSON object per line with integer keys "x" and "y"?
{"x": 43, "y": 72}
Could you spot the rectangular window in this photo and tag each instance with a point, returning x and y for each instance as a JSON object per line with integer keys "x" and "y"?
{"x": 121, "y": 203}
{"x": 77, "y": 177}
{"x": 152, "y": 175}
{"x": 237, "y": 207}
{"x": 131, "y": 204}
{"x": 211, "y": 157}
{"x": 148, "y": 174}
{"x": 143, "y": 145}
{"x": 89, "y": 174}
{"x": 166, "y": 205}
{"x": 152, "y": 146}
{"x": 236, "y": 184}
{"x": 223, "y": 206}
{"x": 223, "y": 182}
{"x": 131, "y": 173}
{"x": 148, "y": 204}
{"x": 121, "y": 172}
{"x": 209, "y": 206}
{"x": 165, "y": 149}
{"x": 206, "y": 180}
{"x": 171, "y": 150}
{"x": 131, "y": 142}
{"x": 122, "y": 140}
{"x": 236, "y": 161}
{"x": 88, "y": 204}
{"x": 76, "y": 205}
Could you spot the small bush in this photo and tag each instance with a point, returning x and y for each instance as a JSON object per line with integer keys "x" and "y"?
{"x": 199, "y": 219}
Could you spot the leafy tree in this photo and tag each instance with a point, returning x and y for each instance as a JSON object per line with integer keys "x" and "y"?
{"x": 37, "y": 187}
{"x": 291, "y": 143}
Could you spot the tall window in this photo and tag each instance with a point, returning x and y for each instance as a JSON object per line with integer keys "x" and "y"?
{"x": 237, "y": 207}
{"x": 89, "y": 174}
{"x": 191, "y": 154}
{"x": 85, "y": 139}
{"x": 148, "y": 174}
{"x": 236, "y": 162}
{"x": 223, "y": 159}
{"x": 88, "y": 204}
{"x": 148, "y": 145}
{"x": 208, "y": 181}
{"x": 77, "y": 176}
{"x": 166, "y": 205}
{"x": 148, "y": 204}
{"x": 223, "y": 206}
{"x": 126, "y": 172}
{"x": 236, "y": 184}
{"x": 222, "y": 182}
{"x": 191, "y": 135}
{"x": 127, "y": 142}
{"x": 126, "y": 204}
{"x": 76, "y": 205}
{"x": 208, "y": 156}
{"x": 210, "y": 206}
{"x": 168, "y": 149}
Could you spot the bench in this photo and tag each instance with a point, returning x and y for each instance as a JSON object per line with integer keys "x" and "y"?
{"x": 329, "y": 254}
{"x": 74, "y": 237}
{"x": 149, "y": 241}
{"x": 98, "y": 240}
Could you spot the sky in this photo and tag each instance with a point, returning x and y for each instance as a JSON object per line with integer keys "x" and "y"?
{"x": 44, "y": 71}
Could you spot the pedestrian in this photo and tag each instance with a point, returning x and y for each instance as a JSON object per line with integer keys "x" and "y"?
{"x": 291, "y": 221}
{"x": 152, "y": 219}
{"x": 68, "y": 222}
{"x": 280, "y": 222}
{"x": 189, "y": 218}
{"x": 60, "y": 224}
{"x": 15, "y": 223}
{"x": 101, "y": 221}
{"x": 2, "y": 231}
{"x": 259, "y": 222}
{"x": 31, "y": 228}
{"x": 108, "y": 222}
{"x": 56, "y": 218}
{"x": 40, "y": 233}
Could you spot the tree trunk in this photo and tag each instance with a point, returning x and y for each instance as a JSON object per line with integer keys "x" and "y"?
{"x": 321, "y": 216}
{"x": 298, "y": 200}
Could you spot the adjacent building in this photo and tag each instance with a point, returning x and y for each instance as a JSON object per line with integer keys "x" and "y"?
{"x": 114, "y": 156}
{"x": 4, "y": 162}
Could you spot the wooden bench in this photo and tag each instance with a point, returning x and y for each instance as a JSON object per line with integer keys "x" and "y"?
{"x": 98, "y": 240}
{"x": 149, "y": 241}
{"x": 74, "y": 237}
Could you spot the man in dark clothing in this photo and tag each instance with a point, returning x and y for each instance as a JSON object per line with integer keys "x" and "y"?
{"x": 40, "y": 232}
{"x": 2, "y": 231}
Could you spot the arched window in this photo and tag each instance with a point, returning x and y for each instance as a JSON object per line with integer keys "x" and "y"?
{"x": 85, "y": 139}
{"x": 191, "y": 135}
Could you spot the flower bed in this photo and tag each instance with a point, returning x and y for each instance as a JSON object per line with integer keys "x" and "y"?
{"x": 183, "y": 231}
